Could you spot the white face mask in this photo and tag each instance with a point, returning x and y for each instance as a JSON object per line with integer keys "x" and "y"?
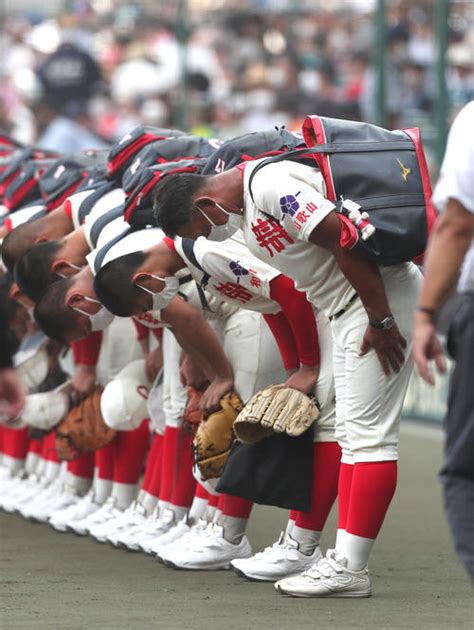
{"x": 99, "y": 320}
{"x": 161, "y": 299}
{"x": 225, "y": 230}
{"x": 63, "y": 275}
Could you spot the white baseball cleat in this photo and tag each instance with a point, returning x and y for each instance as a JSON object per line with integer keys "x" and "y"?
{"x": 208, "y": 552}
{"x": 16, "y": 489}
{"x": 199, "y": 529}
{"x": 106, "y": 512}
{"x": 133, "y": 515}
{"x": 329, "y": 577}
{"x": 35, "y": 509}
{"x": 176, "y": 533}
{"x": 41, "y": 511}
{"x": 280, "y": 560}
{"x": 61, "y": 520}
{"x": 154, "y": 528}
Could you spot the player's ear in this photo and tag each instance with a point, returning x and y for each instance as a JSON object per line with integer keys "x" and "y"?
{"x": 204, "y": 202}
{"x": 140, "y": 276}
{"x": 75, "y": 299}
{"x": 62, "y": 268}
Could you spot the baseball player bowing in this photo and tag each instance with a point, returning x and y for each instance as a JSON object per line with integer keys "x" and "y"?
{"x": 289, "y": 223}
{"x": 231, "y": 274}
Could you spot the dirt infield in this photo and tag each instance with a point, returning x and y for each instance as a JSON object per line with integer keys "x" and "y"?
{"x": 60, "y": 581}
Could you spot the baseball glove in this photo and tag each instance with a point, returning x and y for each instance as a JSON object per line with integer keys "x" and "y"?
{"x": 215, "y": 436}
{"x": 276, "y": 409}
{"x": 83, "y": 429}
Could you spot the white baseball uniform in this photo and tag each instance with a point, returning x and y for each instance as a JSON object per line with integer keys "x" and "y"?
{"x": 287, "y": 203}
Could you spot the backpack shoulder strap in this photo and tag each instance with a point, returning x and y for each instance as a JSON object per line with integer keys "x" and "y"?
{"x": 187, "y": 245}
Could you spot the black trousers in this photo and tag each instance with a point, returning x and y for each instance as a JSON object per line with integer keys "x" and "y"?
{"x": 457, "y": 474}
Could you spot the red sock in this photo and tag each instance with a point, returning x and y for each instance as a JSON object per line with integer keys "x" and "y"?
{"x": 49, "y": 448}
{"x": 82, "y": 466}
{"x": 236, "y": 506}
{"x": 104, "y": 461}
{"x": 35, "y": 446}
{"x": 344, "y": 494}
{"x": 15, "y": 443}
{"x": 184, "y": 484}
{"x": 2, "y": 436}
{"x": 152, "y": 466}
{"x": 169, "y": 452}
{"x": 129, "y": 454}
{"x": 326, "y": 461}
{"x": 213, "y": 500}
{"x": 201, "y": 492}
{"x": 293, "y": 514}
{"x": 373, "y": 487}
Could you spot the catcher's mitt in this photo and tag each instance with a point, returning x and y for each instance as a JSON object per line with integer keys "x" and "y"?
{"x": 276, "y": 409}
{"x": 215, "y": 436}
{"x": 83, "y": 429}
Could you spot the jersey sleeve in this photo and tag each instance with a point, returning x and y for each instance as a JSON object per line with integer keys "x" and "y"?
{"x": 294, "y": 195}
{"x": 457, "y": 171}
{"x": 86, "y": 351}
{"x": 300, "y": 318}
{"x": 283, "y": 335}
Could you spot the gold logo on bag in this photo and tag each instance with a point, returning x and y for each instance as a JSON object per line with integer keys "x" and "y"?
{"x": 405, "y": 171}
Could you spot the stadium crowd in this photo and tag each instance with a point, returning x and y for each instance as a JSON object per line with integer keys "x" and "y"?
{"x": 123, "y": 68}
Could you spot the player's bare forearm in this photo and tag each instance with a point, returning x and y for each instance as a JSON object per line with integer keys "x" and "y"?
{"x": 197, "y": 338}
{"x": 363, "y": 274}
{"x": 449, "y": 242}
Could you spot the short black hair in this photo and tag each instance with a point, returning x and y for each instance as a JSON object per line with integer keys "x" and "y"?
{"x": 173, "y": 200}
{"x": 17, "y": 242}
{"x": 57, "y": 320}
{"x": 113, "y": 283}
{"x": 33, "y": 271}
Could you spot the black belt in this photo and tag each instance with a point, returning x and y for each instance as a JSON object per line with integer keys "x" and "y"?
{"x": 344, "y": 308}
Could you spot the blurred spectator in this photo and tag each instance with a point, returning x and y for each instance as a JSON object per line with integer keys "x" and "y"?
{"x": 68, "y": 132}
{"x": 69, "y": 73}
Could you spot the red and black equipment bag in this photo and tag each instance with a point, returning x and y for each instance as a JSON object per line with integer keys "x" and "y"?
{"x": 385, "y": 173}
{"x": 18, "y": 161}
{"x": 24, "y": 188}
{"x": 65, "y": 175}
{"x": 121, "y": 155}
{"x": 139, "y": 205}
{"x": 252, "y": 146}
{"x": 169, "y": 150}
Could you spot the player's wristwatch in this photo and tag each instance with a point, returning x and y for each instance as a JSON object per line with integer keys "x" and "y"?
{"x": 385, "y": 324}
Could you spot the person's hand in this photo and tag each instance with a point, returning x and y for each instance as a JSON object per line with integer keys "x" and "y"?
{"x": 213, "y": 394}
{"x": 389, "y": 346}
{"x": 12, "y": 394}
{"x": 304, "y": 379}
{"x": 153, "y": 363}
{"x": 83, "y": 381}
{"x": 426, "y": 347}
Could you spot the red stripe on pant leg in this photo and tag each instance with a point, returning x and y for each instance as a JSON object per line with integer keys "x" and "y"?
{"x": 236, "y": 506}
{"x": 49, "y": 448}
{"x": 15, "y": 443}
{"x": 83, "y": 466}
{"x": 184, "y": 483}
{"x": 344, "y": 494}
{"x": 35, "y": 446}
{"x": 130, "y": 451}
{"x": 213, "y": 500}
{"x": 372, "y": 490}
{"x": 150, "y": 465}
{"x": 201, "y": 492}
{"x": 167, "y": 469}
{"x": 326, "y": 462}
{"x": 104, "y": 461}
